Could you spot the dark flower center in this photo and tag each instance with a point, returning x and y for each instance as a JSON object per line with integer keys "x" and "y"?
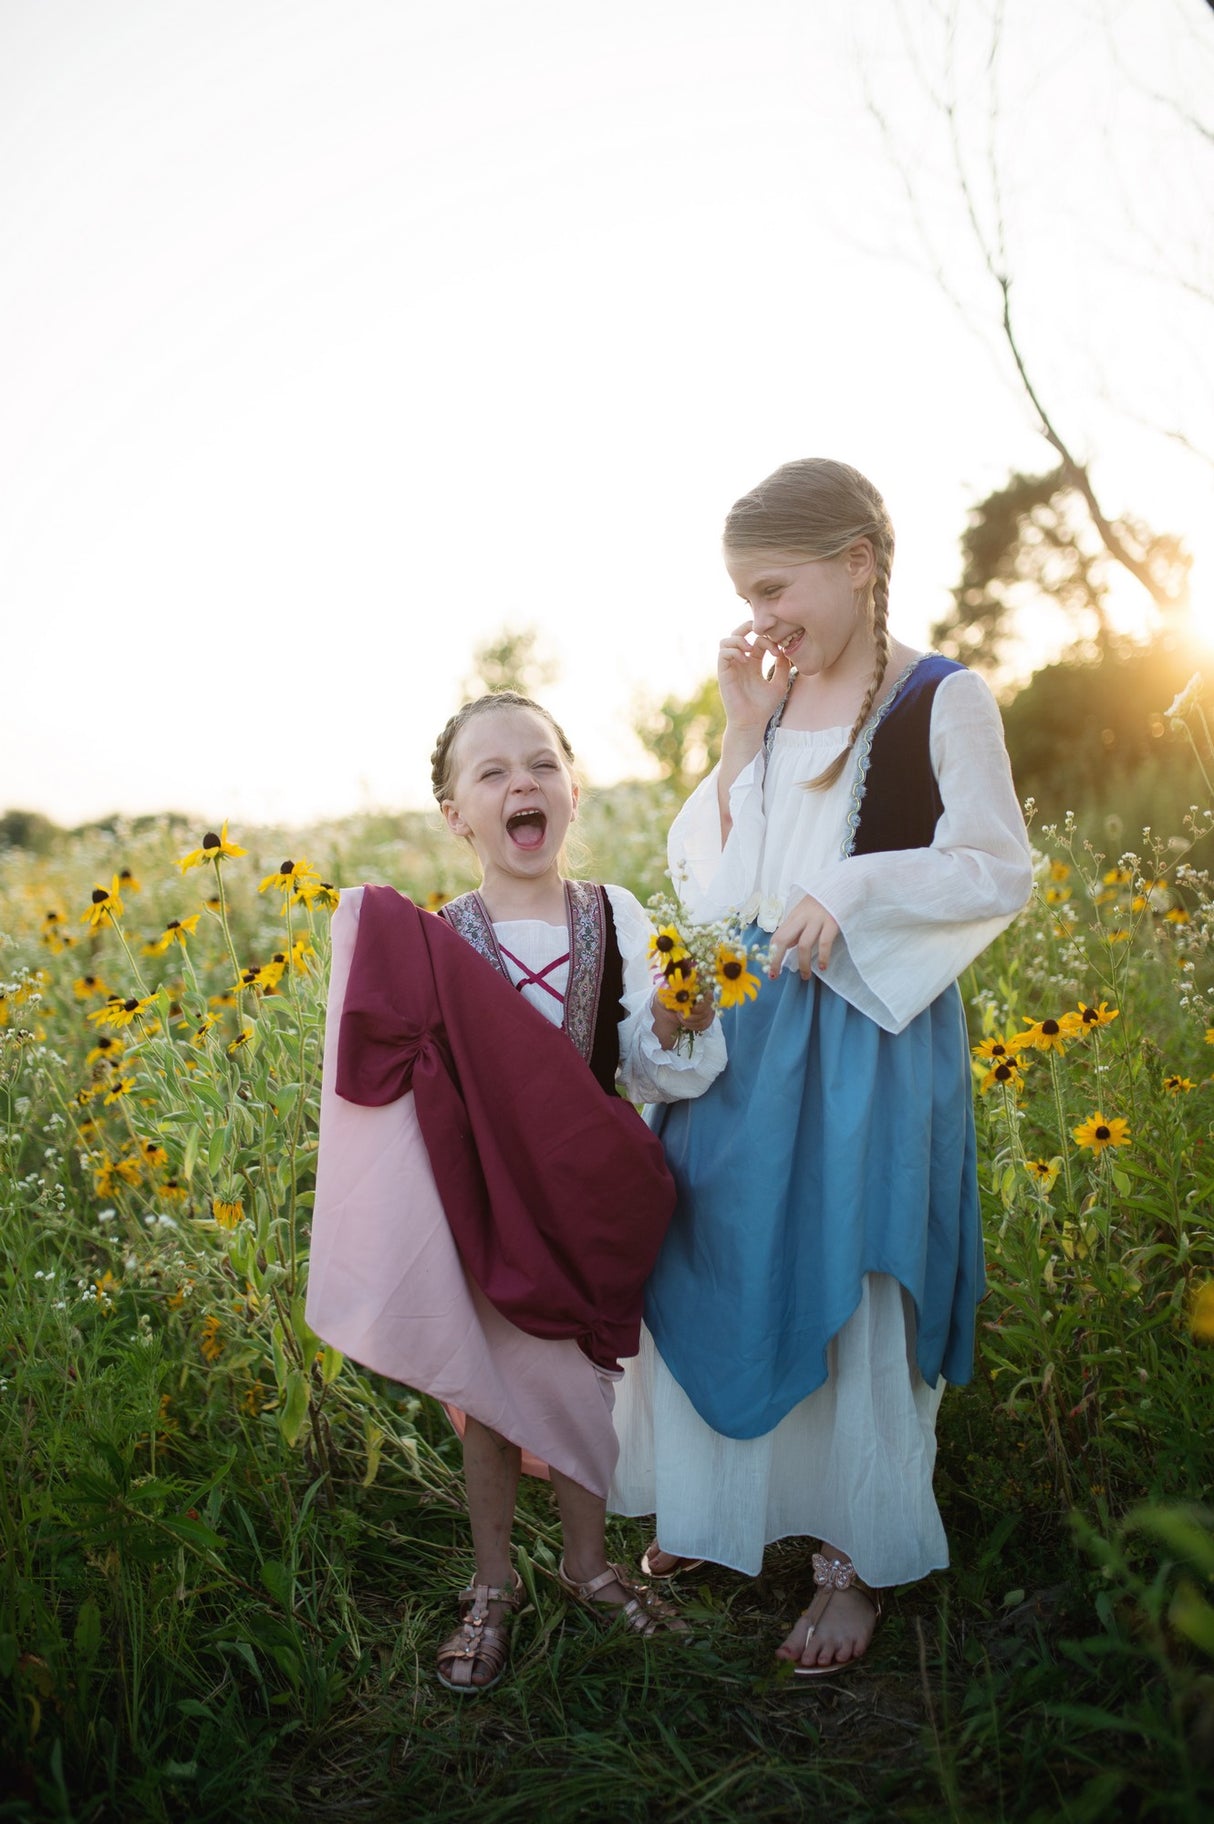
{"x": 100, "y": 895}
{"x": 664, "y": 943}
{"x": 211, "y": 841}
{"x": 129, "y": 1006}
{"x": 1089, "y": 1015}
{"x": 732, "y": 971}
{"x": 125, "y": 874}
{"x": 174, "y": 924}
{"x": 1050, "y": 1027}
{"x": 1103, "y": 1133}
{"x": 1004, "y": 1071}
{"x": 52, "y": 918}
{"x": 288, "y": 867}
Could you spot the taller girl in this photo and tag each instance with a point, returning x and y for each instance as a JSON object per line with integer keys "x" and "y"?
{"x": 820, "y": 1277}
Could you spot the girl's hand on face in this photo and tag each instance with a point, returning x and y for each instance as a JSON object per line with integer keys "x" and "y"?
{"x": 809, "y": 928}
{"x": 750, "y": 699}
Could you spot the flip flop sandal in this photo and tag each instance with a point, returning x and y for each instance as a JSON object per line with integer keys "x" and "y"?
{"x": 677, "y": 1568}
{"x": 831, "y": 1574}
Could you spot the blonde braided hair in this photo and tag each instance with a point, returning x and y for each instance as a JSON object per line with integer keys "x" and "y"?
{"x": 816, "y": 508}
{"x": 441, "y": 771}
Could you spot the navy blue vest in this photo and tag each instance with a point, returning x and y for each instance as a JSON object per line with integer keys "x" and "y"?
{"x": 899, "y": 803}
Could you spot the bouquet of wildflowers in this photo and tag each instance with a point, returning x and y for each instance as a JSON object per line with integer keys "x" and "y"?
{"x": 694, "y": 962}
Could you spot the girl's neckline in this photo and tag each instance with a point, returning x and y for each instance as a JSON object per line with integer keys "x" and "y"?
{"x": 843, "y": 729}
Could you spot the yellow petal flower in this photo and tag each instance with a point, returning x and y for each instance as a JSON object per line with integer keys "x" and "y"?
{"x": 1201, "y": 1312}
{"x": 1096, "y": 1133}
{"x": 214, "y": 848}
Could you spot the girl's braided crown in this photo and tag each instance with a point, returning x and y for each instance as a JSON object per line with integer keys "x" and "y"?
{"x": 440, "y": 759}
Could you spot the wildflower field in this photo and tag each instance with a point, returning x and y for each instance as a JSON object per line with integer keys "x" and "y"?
{"x": 227, "y": 1554}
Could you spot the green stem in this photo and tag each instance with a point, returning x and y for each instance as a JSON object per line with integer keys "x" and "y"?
{"x": 1063, "y": 1136}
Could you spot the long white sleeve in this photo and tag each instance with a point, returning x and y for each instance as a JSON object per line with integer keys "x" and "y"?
{"x": 911, "y": 920}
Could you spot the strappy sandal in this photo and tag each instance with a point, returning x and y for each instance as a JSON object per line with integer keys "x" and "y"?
{"x": 641, "y": 1612}
{"x": 477, "y": 1642}
{"x": 831, "y": 1574}
{"x": 677, "y": 1567}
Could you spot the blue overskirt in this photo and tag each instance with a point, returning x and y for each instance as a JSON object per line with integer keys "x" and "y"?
{"x": 826, "y": 1150}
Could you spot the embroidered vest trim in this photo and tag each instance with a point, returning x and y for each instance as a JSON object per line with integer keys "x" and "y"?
{"x": 898, "y": 805}
{"x": 593, "y": 950}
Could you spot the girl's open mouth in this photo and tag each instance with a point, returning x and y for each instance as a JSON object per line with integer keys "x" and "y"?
{"x": 527, "y": 829}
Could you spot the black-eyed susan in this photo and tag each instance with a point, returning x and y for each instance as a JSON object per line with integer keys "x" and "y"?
{"x": 1096, "y": 1133}
{"x": 1090, "y": 1018}
{"x": 243, "y": 1038}
{"x": 1177, "y": 916}
{"x": 324, "y": 894}
{"x": 301, "y": 950}
{"x": 997, "y": 1048}
{"x": 735, "y": 983}
{"x": 1118, "y": 877}
{"x": 104, "y": 1289}
{"x": 175, "y": 932}
{"x": 1048, "y": 1034}
{"x": 680, "y": 986}
{"x": 1201, "y": 1312}
{"x": 105, "y": 905}
{"x": 1006, "y": 1073}
{"x": 107, "y": 1050}
{"x": 227, "y": 1212}
{"x": 291, "y": 877}
{"x": 88, "y": 987}
{"x": 198, "y": 1030}
{"x": 110, "y": 1174}
{"x": 120, "y": 1013}
{"x": 1043, "y": 1172}
{"x": 1178, "y": 1086}
{"x": 435, "y": 901}
{"x": 667, "y": 947}
{"x": 121, "y": 1086}
{"x": 152, "y": 1155}
{"x": 210, "y": 1340}
{"x": 1057, "y": 896}
{"x": 1060, "y": 871}
{"x": 213, "y": 848}
{"x": 171, "y": 1190}
{"x": 128, "y": 881}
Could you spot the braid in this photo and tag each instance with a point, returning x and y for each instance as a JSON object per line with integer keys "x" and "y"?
{"x": 440, "y": 759}
{"x": 880, "y": 611}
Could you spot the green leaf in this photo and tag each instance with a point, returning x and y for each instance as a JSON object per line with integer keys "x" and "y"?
{"x": 215, "y": 1151}
{"x": 294, "y": 1407}
{"x": 192, "y": 1532}
{"x": 279, "y": 1582}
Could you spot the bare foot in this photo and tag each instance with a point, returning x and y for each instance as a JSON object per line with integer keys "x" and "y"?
{"x": 835, "y": 1629}
{"x": 657, "y": 1563}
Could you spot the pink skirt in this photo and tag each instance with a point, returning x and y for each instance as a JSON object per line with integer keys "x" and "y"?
{"x": 387, "y": 1287}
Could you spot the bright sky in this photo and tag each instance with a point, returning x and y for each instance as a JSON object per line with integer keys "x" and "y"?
{"x": 336, "y": 335}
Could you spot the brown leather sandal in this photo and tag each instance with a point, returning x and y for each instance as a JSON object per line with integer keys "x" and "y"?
{"x": 831, "y": 1574}
{"x": 642, "y": 1612}
{"x": 476, "y": 1642}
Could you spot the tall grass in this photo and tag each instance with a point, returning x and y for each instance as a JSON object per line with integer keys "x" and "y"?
{"x": 226, "y": 1555}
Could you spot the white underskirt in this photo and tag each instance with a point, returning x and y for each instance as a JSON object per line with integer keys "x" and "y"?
{"x": 852, "y": 1464}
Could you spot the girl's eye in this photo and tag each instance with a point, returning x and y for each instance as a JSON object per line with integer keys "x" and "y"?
{"x": 492, "y": 772}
